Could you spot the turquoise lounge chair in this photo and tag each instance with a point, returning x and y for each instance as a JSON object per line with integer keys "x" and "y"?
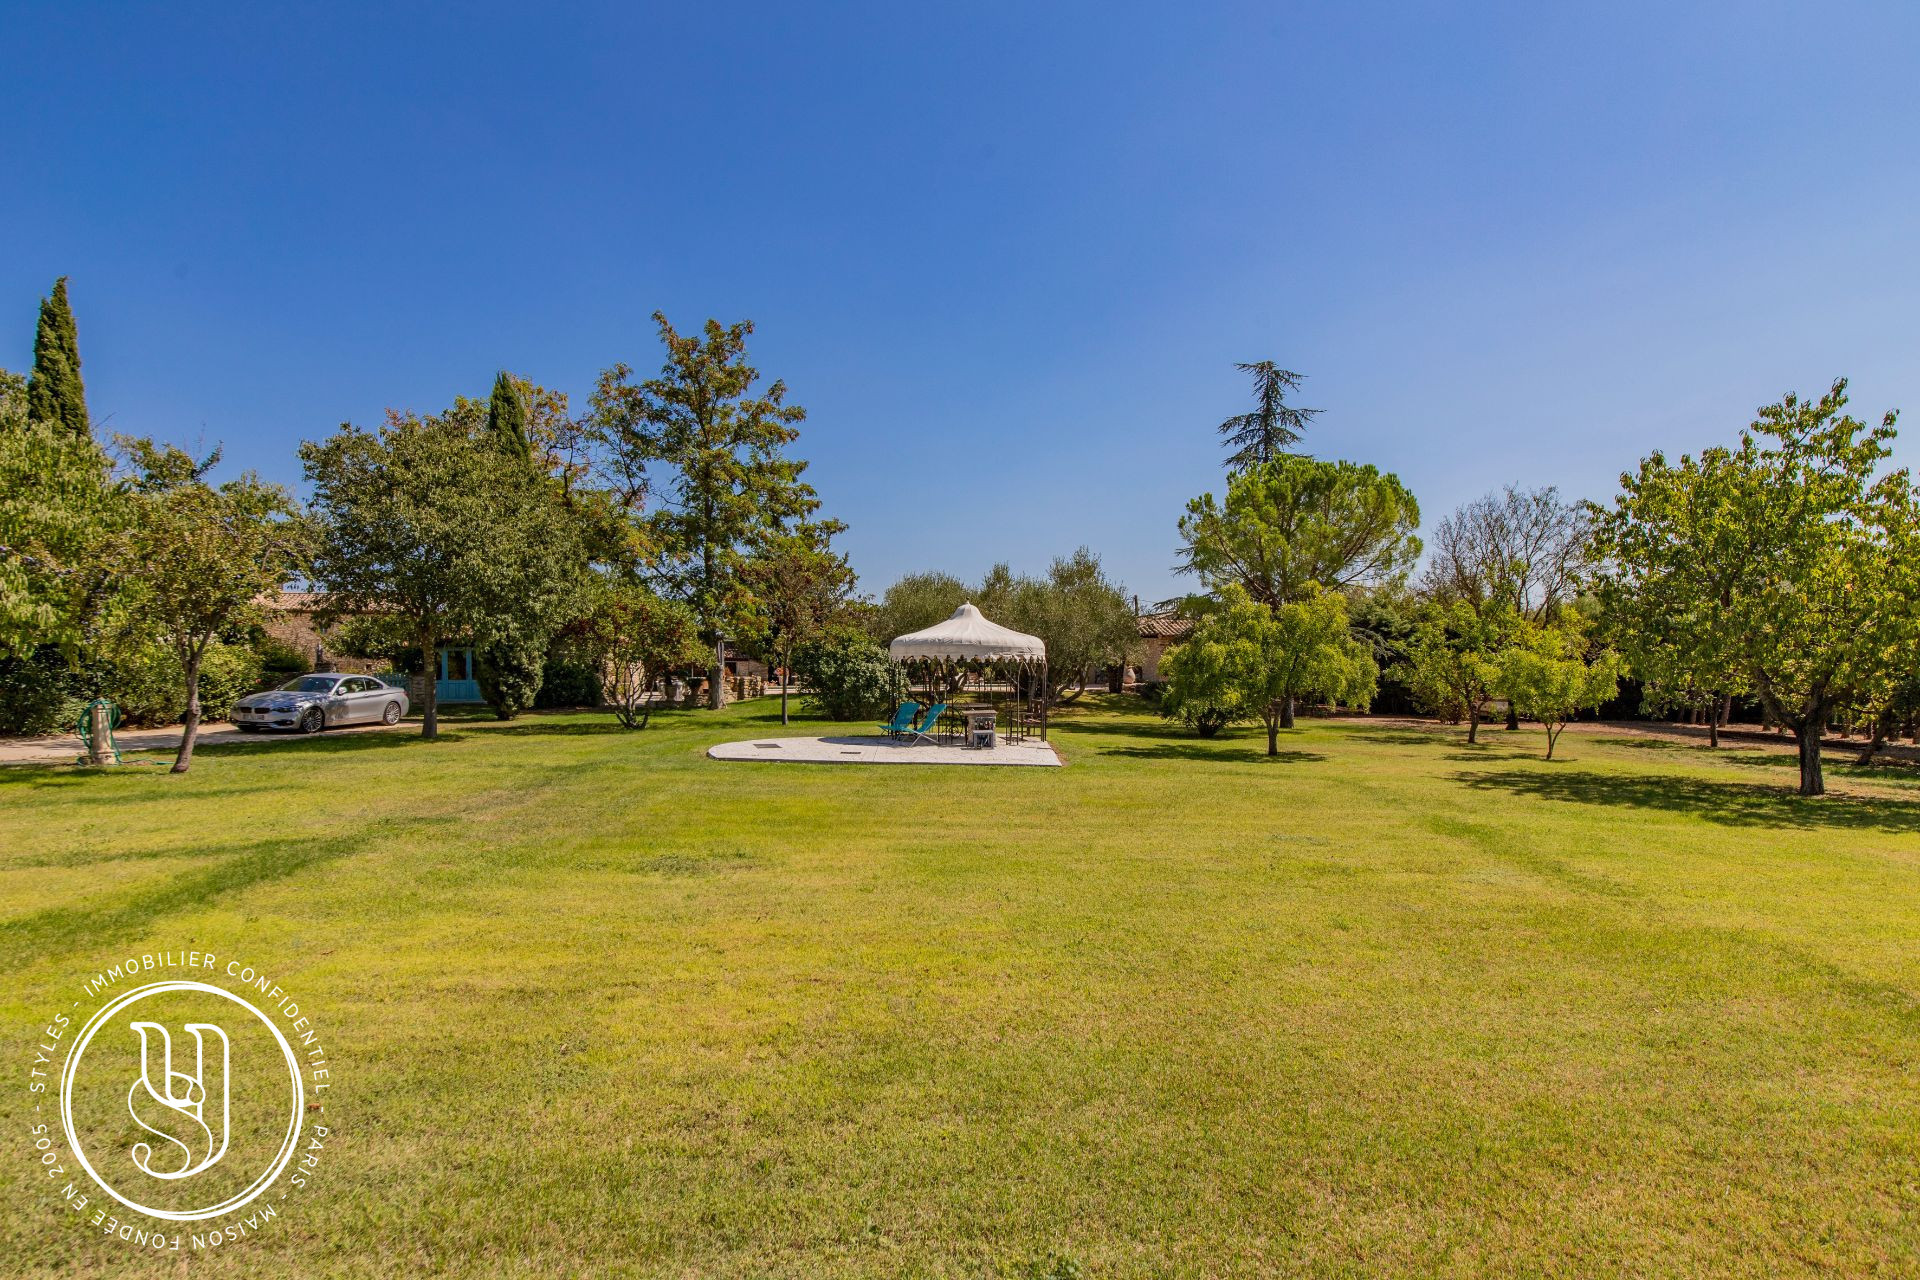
{"x": 902, "y": 721}
{"x": 928, "y": 723}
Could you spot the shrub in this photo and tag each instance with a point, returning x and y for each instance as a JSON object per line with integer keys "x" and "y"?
{"x": 509, "y": 670}
{"x": 277, "y": 656}
{"x": 39, "y": 693}
{"x": 568, "y": 680}
{"x": 848, "y": 676}
{"x": 143, "y": 676}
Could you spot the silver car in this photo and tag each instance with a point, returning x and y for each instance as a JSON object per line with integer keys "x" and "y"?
{"x": 308, "y": 704}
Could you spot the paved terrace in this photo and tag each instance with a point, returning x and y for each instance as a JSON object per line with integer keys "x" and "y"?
{"x": 884, "y": 751}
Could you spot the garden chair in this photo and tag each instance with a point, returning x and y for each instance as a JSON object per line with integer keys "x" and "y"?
{"x": 902, "y": 721}
{"x": 929, "y": 725}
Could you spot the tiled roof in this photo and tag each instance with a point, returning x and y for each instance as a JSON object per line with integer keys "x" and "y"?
{"x": 1165, "y": 626}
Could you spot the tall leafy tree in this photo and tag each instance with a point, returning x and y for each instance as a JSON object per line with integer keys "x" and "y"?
{"x": 59, "y": 506}
{"x": 714, "y": 451}
{"x": 428, "y": 522}
{"x": 1273, "y": 425}
{"x": 801, "y": 583}
{"x": 1291, "y": 524}
{"x": 1790, "y": 560}
{"x": 507, "y": 418}
{"x": 55, "y": 393}
{"x": 1246, "y": 660}
{"x": 198, "y": 556}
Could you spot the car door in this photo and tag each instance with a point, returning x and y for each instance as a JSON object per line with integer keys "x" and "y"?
{"x": 342, "y": 706}
{"x": 371, "y": 700}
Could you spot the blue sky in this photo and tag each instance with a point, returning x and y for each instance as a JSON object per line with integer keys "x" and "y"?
{"x": 1006, "y": 255}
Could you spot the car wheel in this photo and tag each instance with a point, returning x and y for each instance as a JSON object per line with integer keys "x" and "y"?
{"x": 313, "y": 720}
{"x": 391, "y": 715}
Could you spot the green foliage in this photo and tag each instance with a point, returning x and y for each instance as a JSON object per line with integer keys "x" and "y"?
{"x": 507, "y": 419}
{"x": 197, "y": 557}
{"x": 1550, "y": 677}
{"x": 914, "y": 603}
{"x": 801, "y": 584}
{"x": 380, "y": 636}
{"x": 1245, "y": 661}
{"x": 13, "y": 401}
{"x": 59, "y": 509}
{"x": 509, "y": 667}
{"x": 1264, "y": 434}
{"x": 55, "y": 394}
{"x": 726, "y": 481}
{"x": 40, "y": 692}
{"x": 278, "y": 656}
{"x": 1452, "y": 662}
{"x": 142, "y": 673}
{"x": 1083, "y": 616}
{"x": 1788, "y": 564}
{"x": 1292, "y": 523}
{"x": 569, "y": 679}
{"x": 426, "y": 523}
{"x": 848, "y": 676}
{"x": 632, "y": 636}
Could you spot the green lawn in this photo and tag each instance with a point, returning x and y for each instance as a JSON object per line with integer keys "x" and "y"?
{"x": 1386, "y": 1005}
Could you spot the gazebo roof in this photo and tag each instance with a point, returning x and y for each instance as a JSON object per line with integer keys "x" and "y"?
{"x": 968, "y": 636}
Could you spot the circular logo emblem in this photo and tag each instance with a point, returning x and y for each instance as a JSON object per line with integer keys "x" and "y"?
{"x": 182, "y": 1100}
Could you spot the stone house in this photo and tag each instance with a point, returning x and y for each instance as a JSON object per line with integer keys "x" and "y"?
{"x": 1159, "y": 631}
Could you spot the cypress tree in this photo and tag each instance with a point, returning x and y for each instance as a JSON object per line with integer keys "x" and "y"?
{"x": 55, "y": 393}
{"x": 507, "y": 418}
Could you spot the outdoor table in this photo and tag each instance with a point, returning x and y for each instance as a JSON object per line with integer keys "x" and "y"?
{"x": 981, "y": 723}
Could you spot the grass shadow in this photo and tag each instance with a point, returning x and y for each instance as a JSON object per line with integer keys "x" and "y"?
{"x": 90, "y": 928}
{"x": 1239, "y": 752}
{"x": 562, "y": 728}
{"x": 1734, "y": 804}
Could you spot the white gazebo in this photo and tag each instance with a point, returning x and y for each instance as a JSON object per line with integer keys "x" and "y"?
{"x": 970, "y": 641}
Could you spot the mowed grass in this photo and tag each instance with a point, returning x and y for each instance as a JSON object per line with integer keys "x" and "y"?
{"x": 1386, "y": 1005}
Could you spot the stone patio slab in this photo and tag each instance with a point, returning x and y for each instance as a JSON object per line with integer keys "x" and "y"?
{"x": 876, "y": 750}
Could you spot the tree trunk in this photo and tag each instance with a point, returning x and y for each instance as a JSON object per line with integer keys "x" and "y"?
{"x": 1553, "y": 739}
{"x": 430, "y": 689}
{"x": 1286, "y": 714}
{"x": 1808, "y": 734}
{"x": 1513, "y": 716}
{"x": 1713, "y": 725}
{"x": 190, "y": 723}
{"x": 717, "y": 675}
{"x": 1473, "y": 724}
{"x": 786, "y": 678}
{"x": 1273, "y": 732}
{"x": 1883, "y": 726}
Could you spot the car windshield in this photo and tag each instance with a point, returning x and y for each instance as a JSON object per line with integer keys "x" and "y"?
{"x": 309, "y": 684}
